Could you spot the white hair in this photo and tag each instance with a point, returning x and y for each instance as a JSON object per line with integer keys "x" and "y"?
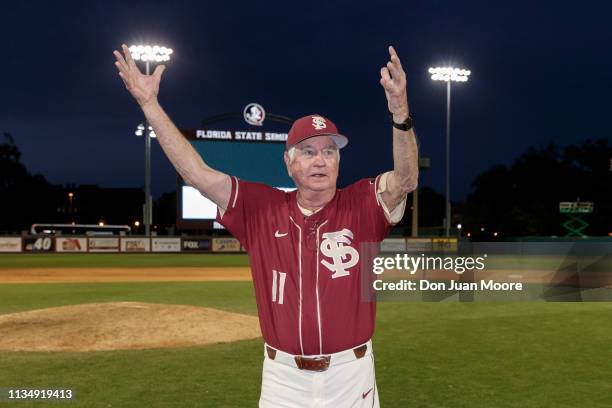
{"x": 291, "y": 154}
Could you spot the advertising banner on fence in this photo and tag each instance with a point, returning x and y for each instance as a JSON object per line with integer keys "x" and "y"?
{"x": 226, "y": 245}
{"x": 106, "y": 244}
{"x": 10, "y": 244}
{"x": 393, "y": 245}
{"x": 39, "y": 244}
{"x": 418, "y": 244}
{"x": 195, "y": 244}
{"x": 166, "y": 245}
{"x": 70, "y": 244}
{"x": 135, "y": 244}
{"x": 444, "y": 244}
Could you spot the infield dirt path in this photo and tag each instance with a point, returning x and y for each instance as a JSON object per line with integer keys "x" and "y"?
{"x": 85, "y": 275}
{"x": 203, "y": 274}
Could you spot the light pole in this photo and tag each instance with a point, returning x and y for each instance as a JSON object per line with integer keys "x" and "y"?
{"x": 146, "y": 208}
{"x": 70, "y": 198}
{"x": 149, "y": 54}
{"x": 448, "y": 74}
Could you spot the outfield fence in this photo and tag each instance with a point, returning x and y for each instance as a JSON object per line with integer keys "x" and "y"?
{"x": 188, "y": 244}
{"x": 117, "y": 244}
{"x": 202, "y": 244}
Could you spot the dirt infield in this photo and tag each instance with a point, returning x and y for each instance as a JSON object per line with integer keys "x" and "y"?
{"x": 203, "y": 274}
{"x": 86, "y": 275}
{"x": 122, "y": 326}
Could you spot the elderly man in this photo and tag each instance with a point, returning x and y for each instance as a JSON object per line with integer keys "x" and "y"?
{"x": 306, "y": 247}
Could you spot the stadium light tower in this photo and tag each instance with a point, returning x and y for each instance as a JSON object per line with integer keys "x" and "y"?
{"x": 140, "y": 130}
{"x": 149, "y": 55}
{"x": 448, "y": 74}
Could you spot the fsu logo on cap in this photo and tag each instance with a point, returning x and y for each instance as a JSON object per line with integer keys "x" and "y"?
{"x": 254, "y": 114}
{"x": 318, "y": 122}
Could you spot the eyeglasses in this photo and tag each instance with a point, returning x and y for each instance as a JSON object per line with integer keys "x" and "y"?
{"x": 310, "y": 152}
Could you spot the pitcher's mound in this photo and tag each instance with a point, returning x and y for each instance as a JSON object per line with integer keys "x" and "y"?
{"x": 122, "y": 326}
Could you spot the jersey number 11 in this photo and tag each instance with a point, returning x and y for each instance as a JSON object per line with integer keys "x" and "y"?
{"x": 278, "y": 286}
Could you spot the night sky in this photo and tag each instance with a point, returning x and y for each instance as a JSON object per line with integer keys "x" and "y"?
{"x": 541, "y": 71}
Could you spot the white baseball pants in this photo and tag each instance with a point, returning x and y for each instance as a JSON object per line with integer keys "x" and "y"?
{"x": 348, "y": 382}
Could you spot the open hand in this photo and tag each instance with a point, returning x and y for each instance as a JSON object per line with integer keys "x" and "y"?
{"x": 144, "y": 88}
{"x": 393, "y": 81}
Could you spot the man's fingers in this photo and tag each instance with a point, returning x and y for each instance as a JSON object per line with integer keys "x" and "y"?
{"x": 122, "y": 73}
{"x": 120, "y": 59}
{"x": 128, "y": 57}
{"x": 159, "y": 70}
{"x": 393, "y": 69}
{"x": 393, "y": 53}
{"x": 125, "y": 80}
{"x": 385, "y": 79}
{"x": 394, "y": 57}
{"x": 121, "y": 68}
{"x": 384, "y": 73}
{"x": 395, "y": 60}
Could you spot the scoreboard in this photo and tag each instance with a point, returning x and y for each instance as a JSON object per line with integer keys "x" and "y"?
{"x": 251, "y": 156}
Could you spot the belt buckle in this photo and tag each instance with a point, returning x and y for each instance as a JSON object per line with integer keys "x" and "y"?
{"x": 323, "y": 361}
{"x": 318, "y": 364}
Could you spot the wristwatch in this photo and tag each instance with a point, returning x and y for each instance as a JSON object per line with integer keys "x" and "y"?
{"x": 405, "y": 125}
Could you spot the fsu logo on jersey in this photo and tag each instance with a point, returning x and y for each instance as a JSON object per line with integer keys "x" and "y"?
{"x": 336, "y": 245}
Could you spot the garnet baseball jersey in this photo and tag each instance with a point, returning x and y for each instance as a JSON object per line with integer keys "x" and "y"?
{"x": 306, "y": 269}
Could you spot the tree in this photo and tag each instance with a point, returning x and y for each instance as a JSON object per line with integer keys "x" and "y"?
{"x": 523, "y": 199}
{"x": 12, "y": 172}
{"x": 24, "y": 199}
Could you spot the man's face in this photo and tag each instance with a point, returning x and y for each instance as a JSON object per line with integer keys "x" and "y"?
{"x": 315, "y": 164}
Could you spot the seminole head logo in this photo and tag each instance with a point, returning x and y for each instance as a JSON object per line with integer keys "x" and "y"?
{"x": 336, "y": 245}
{"x": 254, "y": 114}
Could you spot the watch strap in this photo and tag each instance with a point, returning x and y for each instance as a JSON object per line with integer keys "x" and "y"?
{"x": 404, "y": 126}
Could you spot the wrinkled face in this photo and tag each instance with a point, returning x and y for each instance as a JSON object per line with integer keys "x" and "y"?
{"x": 315, "y": 164}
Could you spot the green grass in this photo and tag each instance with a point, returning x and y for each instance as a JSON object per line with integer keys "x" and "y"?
{"x": 232, "y": 296}
{"x": 427, "y": 354}
{"x": 494, "y": 355}
{"x": 225, "y": 375}
{"x": 120, "y": 260}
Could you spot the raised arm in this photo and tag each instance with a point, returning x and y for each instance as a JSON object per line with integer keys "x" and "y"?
{"x": 211, "y": 183}
{"x": 404, "y": 177}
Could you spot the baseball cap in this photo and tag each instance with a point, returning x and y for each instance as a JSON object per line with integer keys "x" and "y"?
{"x": 311, "y": 126}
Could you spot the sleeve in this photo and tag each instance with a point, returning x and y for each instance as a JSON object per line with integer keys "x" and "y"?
{"x": 397, "y": 213}
{"x": 372, "y": 219}
{"x": 247, "y": 202}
